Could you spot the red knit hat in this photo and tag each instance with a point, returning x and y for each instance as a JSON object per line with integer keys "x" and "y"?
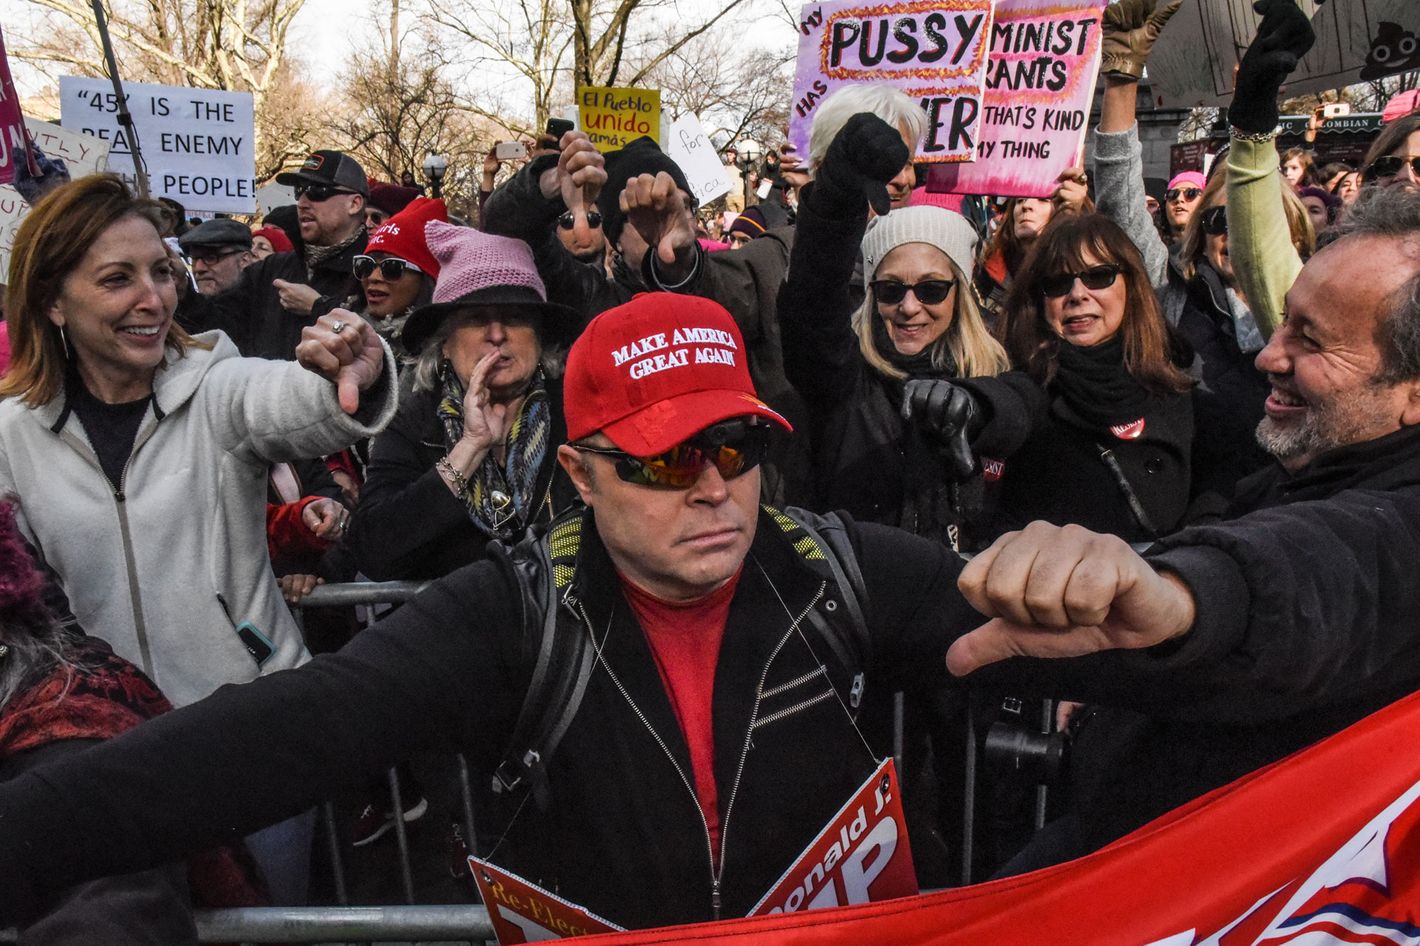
{"x": 656, "y": 371}
{"x": 403, "y": 234}
{"x": 280, "y": 242}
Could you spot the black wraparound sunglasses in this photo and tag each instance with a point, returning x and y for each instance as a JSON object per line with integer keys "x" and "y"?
{"x": 391, "y": 267}
{"x": 733, "y": 447}
{"x": 1096, "y": 277}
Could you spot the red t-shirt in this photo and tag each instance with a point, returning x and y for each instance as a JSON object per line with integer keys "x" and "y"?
{"x": 684, "y": 637}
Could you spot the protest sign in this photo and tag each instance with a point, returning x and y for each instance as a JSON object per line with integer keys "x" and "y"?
{"x": 861, "y": 856}
{"x": 198, "y": 143}
{"x": 522, "y": 912}
{"x": 274, "y": 195}
{"x": 1040, "y": 82}
{"x": 82, "y": 154}
{"x": 937, "y": 55}
{"x": 688, "y": 146}
{"x": 12, "y": 122}
{"x": 613, "y": 118}
{"x": 1194, "y": 58}
{"x": 12, "y": 210}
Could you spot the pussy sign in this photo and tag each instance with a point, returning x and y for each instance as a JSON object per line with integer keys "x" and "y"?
{"x": 861, "y": 856}
{"x": 933, "y": 50}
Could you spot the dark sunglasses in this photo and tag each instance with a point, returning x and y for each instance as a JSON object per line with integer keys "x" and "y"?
{"x": 1390, "y": 166}
{"x": 1187, "y": 193}
{"x": 569, "y": 220}
{"x": 928, "y": 291}
{"x": 391, "y": 267}
{"x": 1214, "y": 221}
{"x": 1096, "y": 277}
{"x": 317, "y": 193}
{"x": 733, "y": 447}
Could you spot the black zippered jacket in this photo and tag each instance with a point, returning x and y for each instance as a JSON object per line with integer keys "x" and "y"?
{"x": 623, "y": 835}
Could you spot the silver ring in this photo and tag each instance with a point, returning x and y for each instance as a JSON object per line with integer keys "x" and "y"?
{"x": 337, "y": 326}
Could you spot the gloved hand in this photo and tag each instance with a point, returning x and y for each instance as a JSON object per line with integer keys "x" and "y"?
{"x": 866, "y": 153}
{"x": 948, "y": 414}
{"x": 1283, "y": 38}
{"x": 1130, "y": 28}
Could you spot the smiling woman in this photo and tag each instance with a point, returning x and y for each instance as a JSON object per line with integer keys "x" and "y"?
{"x": 138, "y": 455}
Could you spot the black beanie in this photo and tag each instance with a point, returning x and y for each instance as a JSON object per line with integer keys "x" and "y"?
{"x": 641, "y": 156}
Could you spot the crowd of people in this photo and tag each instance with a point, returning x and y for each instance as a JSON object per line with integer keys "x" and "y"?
{"x": 694, "y": 509}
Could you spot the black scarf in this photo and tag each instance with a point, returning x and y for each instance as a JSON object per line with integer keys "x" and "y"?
{"x": 1097, "y": 386}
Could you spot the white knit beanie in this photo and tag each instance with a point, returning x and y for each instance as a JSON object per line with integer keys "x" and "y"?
{"x": 947, "y": 230}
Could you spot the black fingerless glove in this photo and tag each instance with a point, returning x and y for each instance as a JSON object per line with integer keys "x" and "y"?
{"x": 947, "y": 413}
{"x": 866, "y": 153}
{"x": 1283, "y": 38}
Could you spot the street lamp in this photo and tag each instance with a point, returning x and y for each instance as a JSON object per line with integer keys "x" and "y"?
{"x": 750, "y": 152}
{"x": 434, "y": 167}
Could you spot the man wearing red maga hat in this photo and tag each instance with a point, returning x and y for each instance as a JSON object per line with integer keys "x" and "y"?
{"x": 714, "y": 735}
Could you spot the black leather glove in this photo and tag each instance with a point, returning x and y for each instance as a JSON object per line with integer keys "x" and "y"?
{"x": 866, "y": 153}
{"x": 948, "y": 414}
{"x": 1283, "y": 38}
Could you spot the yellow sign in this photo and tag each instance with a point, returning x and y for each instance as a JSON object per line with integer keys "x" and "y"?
{"x": 613, "y": 118}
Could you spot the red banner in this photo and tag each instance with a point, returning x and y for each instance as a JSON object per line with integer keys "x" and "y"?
{"x": 12, "y": 122}
{"x": 861, "y": 856}
{"x": 1323, "y": 847}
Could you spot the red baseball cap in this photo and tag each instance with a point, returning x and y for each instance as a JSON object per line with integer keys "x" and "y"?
{"x": 656, "y": 371}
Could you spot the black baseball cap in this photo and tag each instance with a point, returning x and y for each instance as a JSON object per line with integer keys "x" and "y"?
{"x": 329, "y": 167}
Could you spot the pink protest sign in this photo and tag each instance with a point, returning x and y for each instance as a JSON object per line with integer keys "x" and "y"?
{"x": 12, "y": 122}
{"x": 1040, "y": 80}
{"x": 933, "y": 50}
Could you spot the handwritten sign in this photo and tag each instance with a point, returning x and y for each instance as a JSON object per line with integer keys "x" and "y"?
{"x": 862, "y": 855}
{"x": 1356, "y": 40}
{"x": 934, "y": 50}
{"x": 522, "y": 912}
{"x": 688, "y": 146}
{"x": 198, "y": 143}
{"x": 12, "y": 131}
{"x": 613, "y": 118}
{"x": 1040, "y": 80}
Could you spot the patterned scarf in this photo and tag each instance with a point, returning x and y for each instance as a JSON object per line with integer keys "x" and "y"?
{"x": 316, "y": 255}
{"x": 502, "y": 501}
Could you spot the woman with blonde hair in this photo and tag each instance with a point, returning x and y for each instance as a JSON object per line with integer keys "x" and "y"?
{"x": 139, "y": 454}
{"x": 855, "y": 364}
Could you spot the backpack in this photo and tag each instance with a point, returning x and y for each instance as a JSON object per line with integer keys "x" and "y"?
{"x": 565, "y": 662}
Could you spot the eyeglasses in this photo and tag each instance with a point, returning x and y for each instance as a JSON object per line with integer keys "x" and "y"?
{"x": 733, "y": 447}
{"x": 1214, "y": 221}
{"x": 569, "y": 220}
{"x": 318, "y": 193}
{"x": 1187, "y": 193}
{"x": 212, "y": 257}
{"x": 1390, "y": 166}
{"x": 928, "y": 291}
{"x": 391, "y": 267}
{"x": 1096, "y": 277}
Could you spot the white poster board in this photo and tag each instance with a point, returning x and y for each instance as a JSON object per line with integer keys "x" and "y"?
{"x": 688, "y": 146}
{"x": 1192, "y": 62}
{"x": 199, "y": 144}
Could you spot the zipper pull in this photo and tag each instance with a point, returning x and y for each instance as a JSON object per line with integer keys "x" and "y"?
{"x": 715, "y": 898}
{"x": 855, "y": 695}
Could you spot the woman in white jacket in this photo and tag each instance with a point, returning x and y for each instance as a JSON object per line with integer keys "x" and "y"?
{"x": 138, "y": 454}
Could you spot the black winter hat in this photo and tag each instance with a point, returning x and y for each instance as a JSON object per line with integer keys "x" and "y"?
{"x": 641, "y": 156}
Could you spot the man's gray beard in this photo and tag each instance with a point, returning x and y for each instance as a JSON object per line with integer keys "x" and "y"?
{"x": 1345, "y": 420}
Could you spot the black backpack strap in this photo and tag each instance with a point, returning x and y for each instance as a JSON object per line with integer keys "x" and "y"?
{"x": 560, "y": 674}
{"x": 822, "y": 538}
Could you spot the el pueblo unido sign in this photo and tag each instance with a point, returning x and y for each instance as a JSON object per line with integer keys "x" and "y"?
{"x": 198, "y": 144}
{"x": 862, "y": 855}
{"x": 933, "y": 50}
{"x": 613, "y": 117}
{"x": 1040, "y": 82}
